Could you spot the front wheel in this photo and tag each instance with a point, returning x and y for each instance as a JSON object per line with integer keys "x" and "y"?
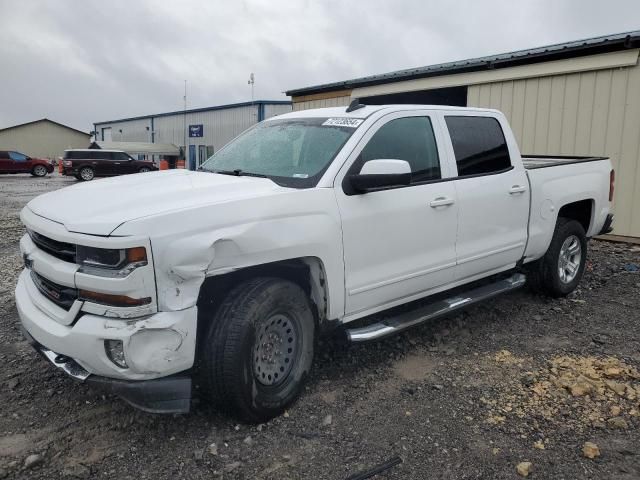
{"x": 39, "y": 171}
{"x": 559, "y": 272}
{"x": 144, "y": 169}
{"x": 87, "y": 174}
{"x": 258, "y": 349}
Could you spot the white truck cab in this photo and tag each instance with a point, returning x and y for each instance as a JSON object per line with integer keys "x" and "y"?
{"x": 314, "y": 219}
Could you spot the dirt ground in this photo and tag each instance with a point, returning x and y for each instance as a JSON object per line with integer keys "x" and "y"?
{"x": 521, "y": 378}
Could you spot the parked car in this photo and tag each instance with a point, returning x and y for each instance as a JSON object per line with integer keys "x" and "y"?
{"x": 16, "y": 162}
{"x": 316, "y": 219}
{"x": 86, "y": 164}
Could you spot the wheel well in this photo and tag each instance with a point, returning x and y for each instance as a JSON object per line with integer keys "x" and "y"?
{"x": 580, "y": 211}
{"x": 307, "y": 272}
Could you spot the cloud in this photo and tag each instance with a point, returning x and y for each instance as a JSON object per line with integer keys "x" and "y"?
{"x": 81, "y": 62}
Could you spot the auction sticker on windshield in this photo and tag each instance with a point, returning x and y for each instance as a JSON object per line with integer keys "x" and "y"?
{"x": 343, "y": 122}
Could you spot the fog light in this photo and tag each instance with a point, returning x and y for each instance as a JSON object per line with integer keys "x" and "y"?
{"x": 115, "y": 352}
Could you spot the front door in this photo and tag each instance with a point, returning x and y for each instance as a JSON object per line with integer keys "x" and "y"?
{"x": 493, "y": 197}
{"x": 399, "y": 243}
{"x": 19, "y": 163}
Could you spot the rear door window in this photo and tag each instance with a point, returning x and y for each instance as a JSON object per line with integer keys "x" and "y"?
{"x": 99, "y": 155}
{"x": 410, "y": 139}
{"x": 479, "y": 145}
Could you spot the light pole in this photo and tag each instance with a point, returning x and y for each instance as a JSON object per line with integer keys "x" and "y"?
{"x": 184, "y": 125}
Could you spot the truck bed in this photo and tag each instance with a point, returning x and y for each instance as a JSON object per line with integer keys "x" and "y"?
{"x": 543, "y": 161}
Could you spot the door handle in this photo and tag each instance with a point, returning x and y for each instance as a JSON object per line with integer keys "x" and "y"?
{"x": 517, "y": 189}
{"x": 117, "y": 163}
{"x": 441, "y": 202}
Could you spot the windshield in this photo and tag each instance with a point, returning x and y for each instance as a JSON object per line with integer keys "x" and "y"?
{"x": 293, "y": 153}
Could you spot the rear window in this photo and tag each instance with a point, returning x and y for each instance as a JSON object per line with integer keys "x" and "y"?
{"x": 84, "y": 155}
{"x": 479, "y": 145}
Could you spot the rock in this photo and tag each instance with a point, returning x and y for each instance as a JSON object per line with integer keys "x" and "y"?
{"x": 230, "y": 467}
{"x": 213, "y": 449}
{"x": 33, "y": 460}
{"x": 617, "y": 423}
{"x": 328, "y": 420}
{"x": 76, "y": 470}
{"x": 198, "y": 454}
{"x": 523, "y": 469}
{"x": 580, "y": 389}
{"x": 248, "y": 440}
{"x": 12, "y": 383}
{"x": 286, "y": 414}
{"x": 539, "y": 445}
{"x": 438, "y": 387}
{"x": 615, "y": 410}
{"x": 590, "y": 450}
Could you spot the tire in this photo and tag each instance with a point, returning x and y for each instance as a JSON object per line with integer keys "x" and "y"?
{"x": 252, "y": 379}
{"x": 39, "y": 171}
{"x": 559, "y": 272}
{"x": 144, "y": 170}
{"x": 86, "y": 174}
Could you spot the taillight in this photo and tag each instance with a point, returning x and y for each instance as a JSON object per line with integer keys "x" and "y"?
{"x": 67, "y": 163}
{"x": 612, "y": 181}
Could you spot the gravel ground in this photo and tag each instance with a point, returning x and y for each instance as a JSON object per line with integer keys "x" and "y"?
{"x": 521, "y": 378}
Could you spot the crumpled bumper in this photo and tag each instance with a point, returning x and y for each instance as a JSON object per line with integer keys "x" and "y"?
{"x": 170, "y": 394}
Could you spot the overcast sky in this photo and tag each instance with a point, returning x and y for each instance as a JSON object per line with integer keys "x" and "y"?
{"x": 79, "y": 62}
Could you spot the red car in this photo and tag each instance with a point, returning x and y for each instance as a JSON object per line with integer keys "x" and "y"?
{"x": 16, "y": 162}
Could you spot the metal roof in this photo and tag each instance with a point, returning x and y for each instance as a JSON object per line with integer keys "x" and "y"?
{"x": 44, "y": 120}
{"x": 139, "y": 147}
{"x": 577, "y": 48}
{"x": 204, "y": 109}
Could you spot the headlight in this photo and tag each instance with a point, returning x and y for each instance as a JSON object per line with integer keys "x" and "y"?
{"x": 110, "y": 262}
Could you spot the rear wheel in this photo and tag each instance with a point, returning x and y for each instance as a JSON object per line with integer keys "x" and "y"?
{"x": 39, "y": 171}
{"x": 258, "y": 349}
{"x": 559, "y": 272}
{"x": 86, "y": 174}
{"x": 144, "y": 169}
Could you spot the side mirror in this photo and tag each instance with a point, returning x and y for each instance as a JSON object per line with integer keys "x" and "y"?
{"x": 380, "y": 174}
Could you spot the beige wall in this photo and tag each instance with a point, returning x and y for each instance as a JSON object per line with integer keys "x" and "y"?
{"x": 588, "y": 113}
{"x": 338, "y": 98}
{"x": 42, "y": 139}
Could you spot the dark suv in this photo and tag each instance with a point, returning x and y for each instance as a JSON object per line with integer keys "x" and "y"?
{"x": 86, "y": 164}
{"x": 16, "y": 162}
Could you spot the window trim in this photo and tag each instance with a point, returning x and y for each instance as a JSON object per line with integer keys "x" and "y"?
{"x": 453, "y": 152}
{"x": 348, "y": 189}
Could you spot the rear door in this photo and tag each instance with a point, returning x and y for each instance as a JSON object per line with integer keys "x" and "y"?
{"x": 101, "y": 161}
{"x": 399, "y": 243}
{"x": 492, "y": 194}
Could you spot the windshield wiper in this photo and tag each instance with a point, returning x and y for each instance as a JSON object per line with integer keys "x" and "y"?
{"x": 238, "y": 173}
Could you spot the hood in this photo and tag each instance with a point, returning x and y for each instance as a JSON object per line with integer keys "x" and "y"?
{"x": 100, "y": 206}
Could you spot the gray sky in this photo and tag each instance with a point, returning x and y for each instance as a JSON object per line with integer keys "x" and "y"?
{"x": 78, "y": 62}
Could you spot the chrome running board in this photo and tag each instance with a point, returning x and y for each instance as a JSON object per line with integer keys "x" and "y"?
{"x": 405, "y": 320}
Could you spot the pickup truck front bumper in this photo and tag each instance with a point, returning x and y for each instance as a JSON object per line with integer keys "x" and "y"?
{"x": 170, "y": 394}
{"x": 158, "y": 349}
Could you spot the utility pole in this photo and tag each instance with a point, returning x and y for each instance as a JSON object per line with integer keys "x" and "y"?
{"x": 184, "y": 127}
{"x": 252, "y": 80}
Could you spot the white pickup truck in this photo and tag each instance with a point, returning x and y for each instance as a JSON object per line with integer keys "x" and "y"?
{"x": 310, "y": 220}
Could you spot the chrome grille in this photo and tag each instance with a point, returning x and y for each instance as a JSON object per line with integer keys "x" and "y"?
{"x": 62, "y": 250}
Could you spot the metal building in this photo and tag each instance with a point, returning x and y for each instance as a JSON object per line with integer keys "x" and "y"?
{"x": 202, "y": 130}
{"x": 42, "y": 138}
{"x": 575, "y": 98}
